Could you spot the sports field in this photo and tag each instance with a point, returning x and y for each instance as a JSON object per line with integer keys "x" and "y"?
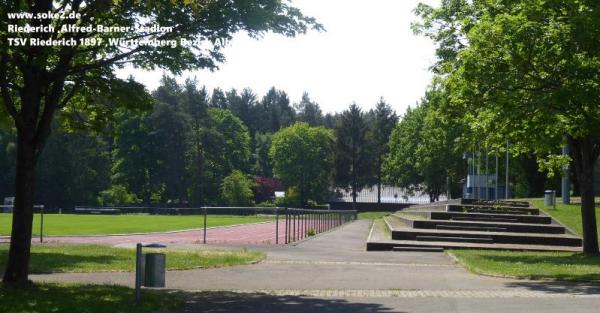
{"x": 74, "y": 224}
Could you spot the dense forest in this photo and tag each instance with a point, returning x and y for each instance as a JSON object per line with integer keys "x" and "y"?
{"x": 187, "y": 146}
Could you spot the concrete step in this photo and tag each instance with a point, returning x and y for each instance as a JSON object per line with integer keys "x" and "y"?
{"x": 486, "y": 225}
{"x": 492, "y": 209}
{"x": 486, "y": 219}
{"x": 476, "y": 228}
{"x": 509, "y": 218}
{"x": 522, "y": 204}
{"x": 497, "y": 237}
{"x": 417, "y": 249}
{"x": 455, "y": 239}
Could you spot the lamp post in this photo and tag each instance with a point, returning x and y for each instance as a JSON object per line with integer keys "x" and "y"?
{"x": 507, "y": 187}
{"x": 565, "y": 182}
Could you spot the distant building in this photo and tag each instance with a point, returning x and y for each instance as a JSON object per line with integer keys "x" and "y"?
{"x": 483, "y": 187}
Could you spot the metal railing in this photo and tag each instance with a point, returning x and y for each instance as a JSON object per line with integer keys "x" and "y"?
{"x": 242, "y": 211}
{"x": 303, "y": 223}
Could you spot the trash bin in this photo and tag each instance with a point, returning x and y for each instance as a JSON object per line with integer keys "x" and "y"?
{"x": 155, "y": 270}
{"x": 549, "y": 198}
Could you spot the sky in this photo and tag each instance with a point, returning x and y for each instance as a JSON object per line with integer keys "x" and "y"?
{"x": 368, "y": 51}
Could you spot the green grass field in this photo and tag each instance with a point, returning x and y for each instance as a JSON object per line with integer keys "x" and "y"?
{"x": 74, "y": 224}
{"x": 54, "y": 298}
{"x": 52, "y": 258}
{"x": 537, "y": 265}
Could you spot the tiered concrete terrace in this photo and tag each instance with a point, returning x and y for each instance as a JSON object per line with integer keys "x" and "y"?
{"x": 472, "y": 224}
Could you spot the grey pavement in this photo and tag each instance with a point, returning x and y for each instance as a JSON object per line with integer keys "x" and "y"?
{"x": 333, "y": 273}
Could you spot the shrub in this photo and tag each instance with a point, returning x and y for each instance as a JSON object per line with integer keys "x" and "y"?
{"x": 265, "y": 187}
{"x": 117, "y": 195}
{"x": 236, "y": 189}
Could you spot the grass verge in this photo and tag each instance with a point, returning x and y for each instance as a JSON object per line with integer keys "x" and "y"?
{"x": 372, "y": 215}
{"x": 47, "y": 298}
{"x": 568, "y": 214}
{"x": 567, "y": 266}
{"x": 51, "y": 258}
{"x": 86, "y": 224}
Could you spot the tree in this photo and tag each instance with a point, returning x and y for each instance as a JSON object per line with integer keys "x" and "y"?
{"x": 263, "y": 165}
{"x": 309, "y": 111}
{"x": 37, "y": 82}
{"x": 276, "y": 111}
{"x": 195, "y": 105}
{"x": 527, "y": 72}
{"x": 236, "y": 189}
{"x": 384, "y": 119}
{"x": 424, "y": 154}
{"x": 226, "y": 145}
{"x": 218, "y": 99}
{"x": 400, "y": 167}
{"x": 353, "y": 152}
{"x": 302, "y": 157}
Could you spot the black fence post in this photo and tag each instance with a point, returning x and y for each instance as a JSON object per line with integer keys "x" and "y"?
{"x": 286, "y": 225}
{"x": 205, "y": 213}
{"x": 294, "y": 226}
{"x": 276, "y": 226}
{"x": 42, "y": 224}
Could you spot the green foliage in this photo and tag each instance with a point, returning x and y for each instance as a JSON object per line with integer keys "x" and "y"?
{"x": 117, "y": 195}
{"x": 291, "y": 199}
{"x": 382, "y": 122}
{"x": 302, "y": 157}
{"x": 423, "y": 148}
{"x": 353, "y": 153}
{"x": 526, "y": 71}
{"x": 236, "y": 189}
{"x": 309, "y": 111}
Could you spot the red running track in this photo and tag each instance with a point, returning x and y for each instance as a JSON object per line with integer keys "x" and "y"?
{"x": 259, "y": 233}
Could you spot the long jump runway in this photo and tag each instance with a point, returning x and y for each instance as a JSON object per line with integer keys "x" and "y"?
{"x": 259, "y": 233}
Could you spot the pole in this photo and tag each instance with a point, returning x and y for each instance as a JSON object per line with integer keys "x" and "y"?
{"x": 487, "y": 180}
{"x": 138, "y": 272}
{"x": 478, "y": 170}
{"x": 565, "y": 182}
{"x": 507, "y": 187}
{"x": 276, "y": 226}
{"x": 42, "y": 225}
{"x": 205, "y": 213}
{"x": 496, "y": 178}
{"x": 287, "y": 218}
{"x": 473, "y": 181}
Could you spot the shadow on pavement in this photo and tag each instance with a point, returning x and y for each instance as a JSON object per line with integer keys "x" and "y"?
{"x": 229, "y": 302}
{"x": 559, "y": 287}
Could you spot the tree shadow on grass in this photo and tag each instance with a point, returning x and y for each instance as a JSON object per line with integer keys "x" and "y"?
{"x": 559, "y": 287}
{"x": 51, "y": 262}
{"x": 46, "y": 298}
{"x": 229, "y": 302}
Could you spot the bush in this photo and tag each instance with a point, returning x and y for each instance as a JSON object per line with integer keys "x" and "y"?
{"x": 291, "y": 199}
{"x": 117, "y": 195}
{"x": 236, "y": 189}
{"x": 265, "y": 187}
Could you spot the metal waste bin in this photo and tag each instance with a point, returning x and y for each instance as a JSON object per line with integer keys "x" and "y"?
{"x": 549, "y": 198}
{"x": 155, "y": 270}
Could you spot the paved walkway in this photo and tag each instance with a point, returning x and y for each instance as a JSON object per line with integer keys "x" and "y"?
{"x": 334, "y": 273}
